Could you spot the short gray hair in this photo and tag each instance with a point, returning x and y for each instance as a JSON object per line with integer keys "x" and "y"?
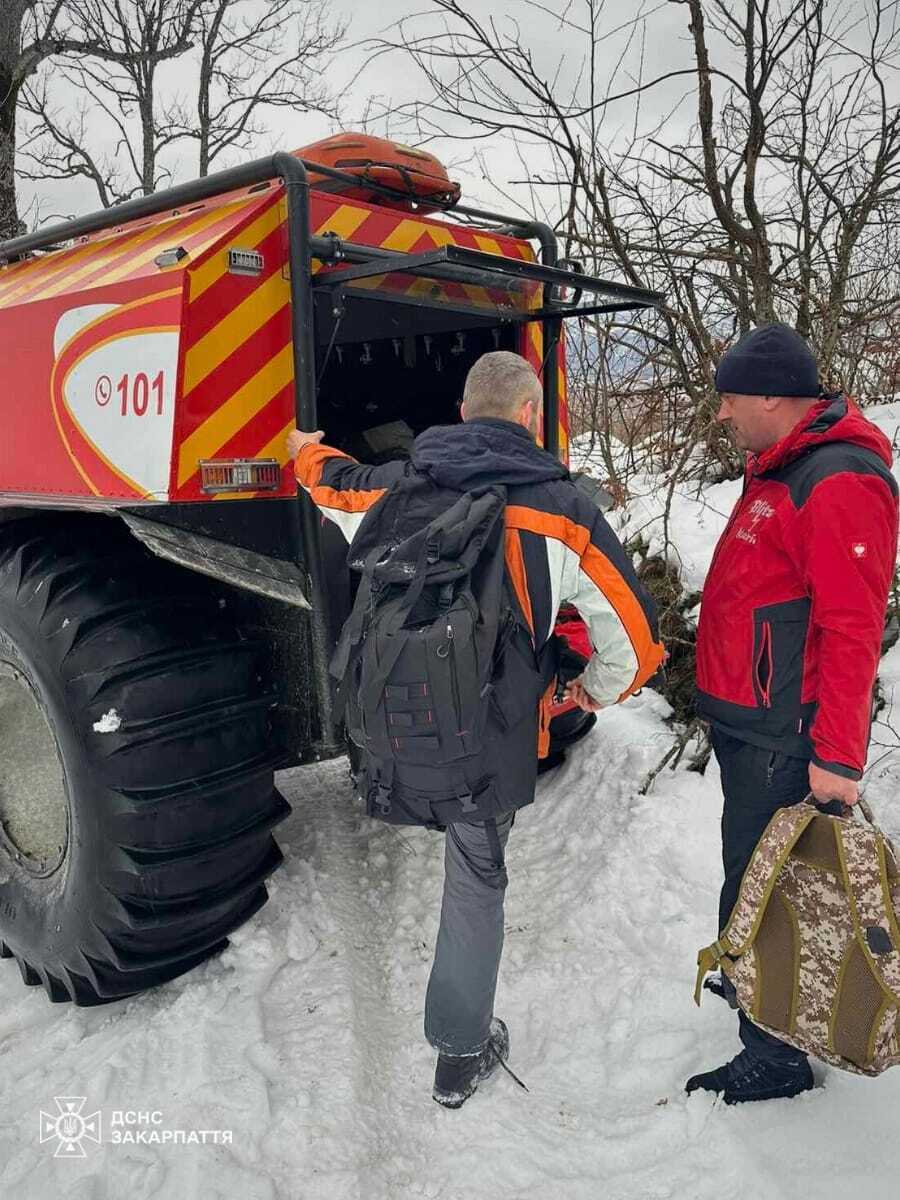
{"x": 499, "y": 385}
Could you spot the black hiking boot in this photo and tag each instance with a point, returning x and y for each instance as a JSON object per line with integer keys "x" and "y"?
{"x": 458, "y": 1075}
{"x": 750, "y": 1078}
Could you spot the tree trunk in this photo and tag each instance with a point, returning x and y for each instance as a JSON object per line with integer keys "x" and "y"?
{"x": 11, "y": 12}
{"x": 9, "y": 214}
{"x": 204, "y": 121}
{"x": 203, "y": 128}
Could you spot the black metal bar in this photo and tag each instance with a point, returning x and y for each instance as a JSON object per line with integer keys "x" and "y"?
{"x": 434, "y": 264}
{"x": 390, "y": 262}
{"x": 382, "y": 189}
{"x": 178, "y": 197}
{"x": 296, "y": 187}
{"x": 583, "y": 310}
{"x": 485, "y": 316}
{"x": 259, "y": 170}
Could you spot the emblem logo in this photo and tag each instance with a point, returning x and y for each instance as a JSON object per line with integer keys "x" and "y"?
{"x": 759, "y": 510}
{"x": 70, "y": 1127}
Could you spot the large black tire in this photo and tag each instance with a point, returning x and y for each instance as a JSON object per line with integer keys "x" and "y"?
{"x": 170, "y": 812}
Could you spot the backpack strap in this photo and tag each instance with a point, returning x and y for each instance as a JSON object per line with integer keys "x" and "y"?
{"x": 355, "y": 626}
{"x": 390, "y": 646}
{"x": 863, "y": 859}
{"x": 771, "y": 853}
{"x": 381, "y": 776}
{"x": 463, "y": 791}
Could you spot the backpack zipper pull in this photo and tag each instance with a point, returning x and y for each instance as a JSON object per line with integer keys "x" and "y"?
{"x": 444, "y": 650}
{"x": 770, "y": 769}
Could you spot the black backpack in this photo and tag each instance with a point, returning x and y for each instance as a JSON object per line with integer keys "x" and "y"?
{"x": 439, "y": 683}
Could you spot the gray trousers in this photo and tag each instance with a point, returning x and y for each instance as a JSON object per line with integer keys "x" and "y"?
{"x": 459, "y": 1003}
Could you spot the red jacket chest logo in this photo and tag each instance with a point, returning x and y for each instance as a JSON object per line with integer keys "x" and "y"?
{"x": 757, "y": 511}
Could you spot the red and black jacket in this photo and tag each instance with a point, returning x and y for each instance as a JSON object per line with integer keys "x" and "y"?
{"x": 794, "y": 602}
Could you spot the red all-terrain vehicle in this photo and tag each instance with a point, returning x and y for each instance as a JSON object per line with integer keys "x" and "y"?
{"x": 167, "y": 600}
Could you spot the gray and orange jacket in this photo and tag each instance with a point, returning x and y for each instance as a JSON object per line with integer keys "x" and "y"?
{"x": 559, "y": 548}
{"x": 795, "y": 597}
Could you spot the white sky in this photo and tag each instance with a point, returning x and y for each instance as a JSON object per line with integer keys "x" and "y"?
{"x": 557, "y": 52}
{"x": 395, "y": 78}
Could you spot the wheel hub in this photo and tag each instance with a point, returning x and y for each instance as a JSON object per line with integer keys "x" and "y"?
{"x": 34, "y": 806}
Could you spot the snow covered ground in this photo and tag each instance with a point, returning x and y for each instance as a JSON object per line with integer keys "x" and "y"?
{"x": 304, "y": 1037}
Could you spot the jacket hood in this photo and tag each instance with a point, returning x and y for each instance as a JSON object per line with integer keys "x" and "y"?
{"x": 834, "y": 418}
{"x": 481, "y": 452}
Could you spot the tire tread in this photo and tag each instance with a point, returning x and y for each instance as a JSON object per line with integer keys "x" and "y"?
{"x": 195, "y": 877}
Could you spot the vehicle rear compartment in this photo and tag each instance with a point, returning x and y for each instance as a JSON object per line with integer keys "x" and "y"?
{"x": 389, "y": 370}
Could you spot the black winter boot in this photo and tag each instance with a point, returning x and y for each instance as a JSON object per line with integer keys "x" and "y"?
{"x": 458, "y": 1075}
{"x": 750, "y": 1078}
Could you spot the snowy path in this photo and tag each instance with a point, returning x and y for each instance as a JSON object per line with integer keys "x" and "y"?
{"x": 304, "y": 1037}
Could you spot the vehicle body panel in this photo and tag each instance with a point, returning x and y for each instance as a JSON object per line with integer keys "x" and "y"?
{"x": 123, "y": 375}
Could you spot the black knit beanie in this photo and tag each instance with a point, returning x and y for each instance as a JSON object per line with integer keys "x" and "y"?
{"x": 772, "y": 360}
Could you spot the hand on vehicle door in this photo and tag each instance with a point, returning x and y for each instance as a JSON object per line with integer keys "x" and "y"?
{"x": 825, "y": 785}
{"x": 575, "y": 690}
{"x": 297, "y": 439}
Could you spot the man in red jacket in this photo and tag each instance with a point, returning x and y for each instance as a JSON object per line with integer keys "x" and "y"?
{"x": 790, "y": 627}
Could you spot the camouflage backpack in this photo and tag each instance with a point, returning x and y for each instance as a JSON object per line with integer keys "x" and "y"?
{"x": 812, "y": 945}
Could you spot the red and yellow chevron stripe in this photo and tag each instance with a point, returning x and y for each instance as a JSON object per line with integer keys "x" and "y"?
{"x": 234, "y": 395}
{"x": 412, "y": 235}
{"x": 237, "y": 384}
{"x": 123, "y": 255}
{"x": 532, "y": 347}
{"x": 563, "y": 391}
{"x": 237, "y": 394}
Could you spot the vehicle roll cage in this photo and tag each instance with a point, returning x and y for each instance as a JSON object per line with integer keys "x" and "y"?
{"x": 344, "y": 264}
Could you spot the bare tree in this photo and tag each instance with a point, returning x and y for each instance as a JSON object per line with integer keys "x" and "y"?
{"x": 252, "y": 60}
{"x": 32, "y": 31}
{"x": 761, "y": 183}
{"x": 237, "y": 58}
{"x": 119, "y": 85}
{"x": 755, "y": 178}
